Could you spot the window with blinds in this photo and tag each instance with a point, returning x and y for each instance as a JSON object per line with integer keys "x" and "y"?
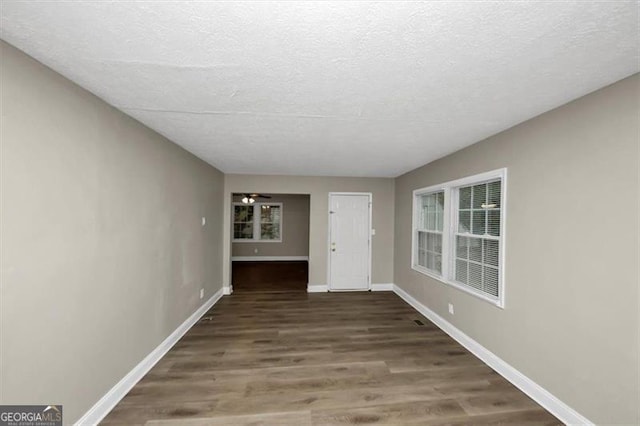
{"x": 429, "y": 232}
{"x": 477, "y": 236}
{"x": 458, "y": 232}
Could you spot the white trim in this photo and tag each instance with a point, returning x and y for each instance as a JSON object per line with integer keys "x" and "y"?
{"x": 444, "y": 256}
{"x": 382, "y": 287}
{"x": 246, "y": 240}
{"x": 536, "y": 392}
{"x": 256, "y": 222}
{"x": 370, "y": 195}
{"x": 267, "y": 258}
{"x": 317, "y": 288}
{"x": 349, "y": 290}
{"x": 227, "y": 289}
{"x": 101, "y": 408}
{"x": 470, "y": 290}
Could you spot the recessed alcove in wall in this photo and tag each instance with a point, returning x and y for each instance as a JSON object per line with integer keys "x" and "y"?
{"x": 270, "y": 241}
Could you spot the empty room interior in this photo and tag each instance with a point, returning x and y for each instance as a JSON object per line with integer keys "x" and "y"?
{"x": 320, "y": 213}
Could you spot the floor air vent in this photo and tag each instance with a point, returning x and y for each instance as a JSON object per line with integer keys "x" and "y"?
{"x": 418, "y": 322}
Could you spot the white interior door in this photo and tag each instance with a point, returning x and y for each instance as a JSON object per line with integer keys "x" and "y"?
{"x": 349, "y": 241}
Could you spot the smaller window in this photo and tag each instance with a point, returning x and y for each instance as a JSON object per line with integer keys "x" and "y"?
{"x": 429, "y": 231}
{"x": 242, "y": 222}
{"x": 269, "y": 222}
{"x": 257, "y": 222}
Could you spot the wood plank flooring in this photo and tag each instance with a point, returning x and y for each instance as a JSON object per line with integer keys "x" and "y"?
{"x": 292, "y": 358}
{"x": 270, "y": 276}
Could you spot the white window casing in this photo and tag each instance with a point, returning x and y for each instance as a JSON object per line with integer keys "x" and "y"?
{"x": 429, "y": 231}
{"x": 464, "y": 249}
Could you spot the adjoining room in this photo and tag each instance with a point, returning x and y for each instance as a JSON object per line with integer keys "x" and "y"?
{"x": 270, "y": 249}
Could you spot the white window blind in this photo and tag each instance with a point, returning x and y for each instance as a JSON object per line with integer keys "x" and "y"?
{"x": 477, "y": 237}
{"x": 429, "y": 231}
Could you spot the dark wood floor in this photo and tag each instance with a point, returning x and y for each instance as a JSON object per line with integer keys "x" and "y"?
{"x": 269, "y": 276}
{"x": 299, "y": 359}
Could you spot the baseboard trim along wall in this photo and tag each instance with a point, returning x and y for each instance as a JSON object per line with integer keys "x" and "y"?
{"x": 323, "y": 288}
{"x": 536, "y": 392}
{"x": 382, "y": 287}
{"x": 116, "y": 393}
{"x": 269, "y": 258}
{"x": 317, "y": 288}
{"x": 227, "y": 289}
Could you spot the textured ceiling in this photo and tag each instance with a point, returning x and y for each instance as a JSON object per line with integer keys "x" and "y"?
{"x": 329, "y": 88}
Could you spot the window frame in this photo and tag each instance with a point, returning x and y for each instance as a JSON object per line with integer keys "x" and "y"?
{"x": 451, "y": 206}
{"x": 415, "y": 251}
{"x": 257, "y": 220}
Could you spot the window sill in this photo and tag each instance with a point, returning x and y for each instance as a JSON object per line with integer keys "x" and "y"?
{"x": 256, "y": 241}
{"x": 495, "y": 302}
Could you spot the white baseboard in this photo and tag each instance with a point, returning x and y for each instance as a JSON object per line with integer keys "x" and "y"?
{"x": 536, "y": 392}
{"x": 323, "y": 288}
{"x": 268, "y": 258}
{"x": 101, "y": 408}
{"x": 382, "y": 287}
{"x": 227, "y": 289}
{"x": 317, "y": 288}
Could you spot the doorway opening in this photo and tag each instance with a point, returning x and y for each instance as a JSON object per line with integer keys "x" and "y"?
{"x": 270, "y": 242}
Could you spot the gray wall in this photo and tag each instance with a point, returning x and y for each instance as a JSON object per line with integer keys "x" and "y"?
{"x": 103, "y": 252}
{"x": 295, "y": 229}
{"x": 571, "y": 317}
{"x": 318, "y": 188}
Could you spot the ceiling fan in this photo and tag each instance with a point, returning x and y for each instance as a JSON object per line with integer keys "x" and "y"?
{"x": 251, "y": 198}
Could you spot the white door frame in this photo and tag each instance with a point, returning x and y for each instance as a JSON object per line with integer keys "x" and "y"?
{"x": 370, "y": 195}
